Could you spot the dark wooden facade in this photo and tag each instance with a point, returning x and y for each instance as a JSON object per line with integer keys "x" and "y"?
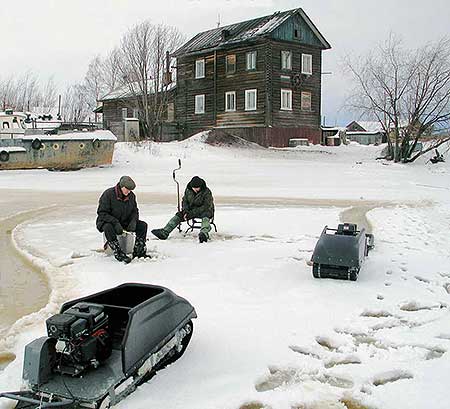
{"x": 268, "y": 124}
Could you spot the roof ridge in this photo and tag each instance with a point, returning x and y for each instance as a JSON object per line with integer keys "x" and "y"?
{"x": 268, "y": 16}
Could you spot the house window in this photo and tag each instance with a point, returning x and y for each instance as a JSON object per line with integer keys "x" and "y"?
{"x": 306, "y": 101}
{"x": 307, "y": 64}
{"x": 286, "y": 99}
{"x": 135, "y": 113}
{"x": 231, "y": 64}
{"x": 250, "y": 99}
{"x": 200, "y": 104}
{"x": 251, "y": 60}
{"x": 230, "y": 101}
{"x": 200, "y": 68}
{"x": 124, "y": 113}
{"x": 286, "y": 60}
{"x": 297, "y": 33}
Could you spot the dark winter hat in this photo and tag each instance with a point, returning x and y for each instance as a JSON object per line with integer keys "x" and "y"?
{"x": 197, "y": 182}
{"x": 126, "y": 181}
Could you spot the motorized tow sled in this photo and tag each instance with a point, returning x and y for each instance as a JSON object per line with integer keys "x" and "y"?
{"x": 340, "y": 252}
{"x": 101, "y": 347}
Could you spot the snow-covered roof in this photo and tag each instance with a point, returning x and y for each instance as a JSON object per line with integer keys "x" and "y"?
{"x": 371, "y": 126}
{"x": 246, "y": 30}
{"x": 363, "y": 132}
{"x": 126, "y": 91}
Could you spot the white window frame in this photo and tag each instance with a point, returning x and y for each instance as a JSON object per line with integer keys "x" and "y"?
{"x": 227, "y": 107}
{"x": 307, "y": 64}
{"x": 135, "y": 113}
{"x": 250, "y": 61}
{"x": 303, "y": 96}
{"x": 288, "y": 106}
{"x": 288, "y": 59}
{"x": 199, "y": 106}
{"x": 124, "y": 113}
{"x": 248, "y": 106}
{"x": 200, "y": 68}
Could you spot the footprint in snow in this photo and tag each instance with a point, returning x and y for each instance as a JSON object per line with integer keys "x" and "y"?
{"x": 422, "y": 279}
{"x": 391, "y": 376}
{"x": 376, "y": 313}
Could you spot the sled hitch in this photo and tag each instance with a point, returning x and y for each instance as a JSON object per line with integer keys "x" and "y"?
{"x": 40, "y": 403}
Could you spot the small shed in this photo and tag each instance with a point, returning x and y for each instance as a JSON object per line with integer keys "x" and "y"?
{"x": 333, "y": 136}
{"x": 366, "y": 132}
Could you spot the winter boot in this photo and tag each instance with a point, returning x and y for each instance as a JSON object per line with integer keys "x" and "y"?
{"x": 203, "y": 237}
{"x": 163, "y": 233}
{"x": 160, "y": 233}
{"x": 140, "y": 249}
{"x": 118, "y": 252}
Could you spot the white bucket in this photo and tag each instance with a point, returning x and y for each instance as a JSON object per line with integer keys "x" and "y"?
{"x": 126, "y": 242}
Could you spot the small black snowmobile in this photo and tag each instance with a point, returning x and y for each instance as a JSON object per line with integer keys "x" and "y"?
{"x": 339, "y": 253}
{"x": 99, "y": 348}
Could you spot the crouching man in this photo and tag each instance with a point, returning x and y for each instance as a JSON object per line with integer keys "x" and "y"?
{"x": 197, "y": 203}
{"x": 118, "y": 212}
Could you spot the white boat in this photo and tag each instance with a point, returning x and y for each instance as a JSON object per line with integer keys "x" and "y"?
{"x": 28, "y": 148}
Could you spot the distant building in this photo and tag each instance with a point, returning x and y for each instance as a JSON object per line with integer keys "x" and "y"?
{"x": 366, "y": 132}
{"x": 120, "y": 105}
{"x": 259, "y": 79}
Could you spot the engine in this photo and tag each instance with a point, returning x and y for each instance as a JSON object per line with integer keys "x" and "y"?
{"x": 83, "y": 340}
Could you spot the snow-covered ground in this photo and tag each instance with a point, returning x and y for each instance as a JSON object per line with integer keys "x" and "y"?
{"x": 269, "y": 335}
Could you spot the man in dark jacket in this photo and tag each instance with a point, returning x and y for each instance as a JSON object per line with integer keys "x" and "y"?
{"x": 197, "y": 203}
{"x": 117, "y": 211}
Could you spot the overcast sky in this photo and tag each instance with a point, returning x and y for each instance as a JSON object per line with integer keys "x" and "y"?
{"x": 60, "y": 37}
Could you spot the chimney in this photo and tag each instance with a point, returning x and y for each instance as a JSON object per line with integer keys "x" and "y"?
{"x": 225, "y": 34}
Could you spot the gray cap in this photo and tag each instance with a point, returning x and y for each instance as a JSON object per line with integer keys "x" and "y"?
{"x": 126, "y": 181}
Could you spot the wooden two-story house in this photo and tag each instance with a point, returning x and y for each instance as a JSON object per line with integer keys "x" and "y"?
{"x": 259, "y": 79}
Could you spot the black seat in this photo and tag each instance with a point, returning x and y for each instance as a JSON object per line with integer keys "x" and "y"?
{"x": 196, "y": 223}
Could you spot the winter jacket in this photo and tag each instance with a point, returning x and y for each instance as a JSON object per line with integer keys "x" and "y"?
{"x": 116, "y": 208}
{"x": 198, "y": 205}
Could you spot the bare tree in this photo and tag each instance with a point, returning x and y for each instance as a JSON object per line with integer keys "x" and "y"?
{"x": 49, "y": 95}
{"x": 25, "y": 92}
{"x": 111, "y": 74}
{"x": 142, "y": 65}
{"x": 93, "y": 84}
{"x": 407, "y": 91}
{"x": 75, "y": 107}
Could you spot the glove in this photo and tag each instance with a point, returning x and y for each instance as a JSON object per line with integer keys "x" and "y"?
{"x": 132, "y": 226}
{"x": 118, "y": 228}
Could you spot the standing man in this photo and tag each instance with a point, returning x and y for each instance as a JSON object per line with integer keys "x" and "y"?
{"x": 197, "y": 203}
{"x": 118, "y": 212}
